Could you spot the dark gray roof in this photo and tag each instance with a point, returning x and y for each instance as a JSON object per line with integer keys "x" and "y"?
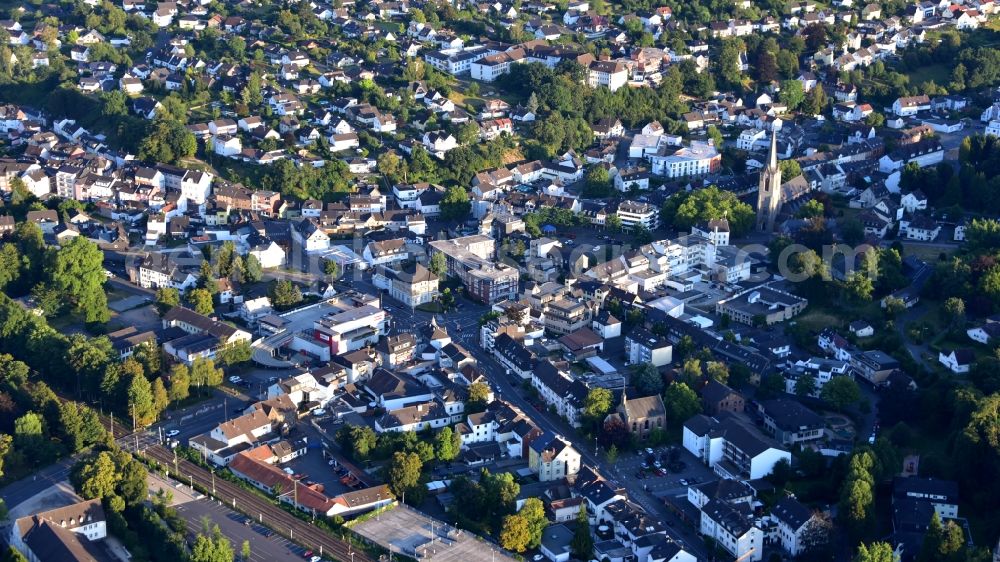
{"x": 790, "y": 415}
{"x": 791, "y": 512}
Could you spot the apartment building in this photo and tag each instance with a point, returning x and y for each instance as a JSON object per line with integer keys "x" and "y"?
{"x": 564, "y": 315}
{"x": 698, "y": 159}
{"x": 413, "y": 285}
{"x": 633, "y": 214}
{"x": 762, "y": 305}
{"x": 552, "y": 458}
{"x": 731, "y": 447}
{"x": 351, "y": 329}
{"x": 470, "y": 258}
{"x": 642, "y": 346}
{"x": 608, "y": 74}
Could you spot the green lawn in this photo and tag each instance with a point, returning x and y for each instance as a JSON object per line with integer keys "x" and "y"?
{"x": 940, "y": 73}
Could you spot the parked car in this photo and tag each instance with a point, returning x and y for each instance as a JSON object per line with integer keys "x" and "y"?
{"x": 173, "y": 433}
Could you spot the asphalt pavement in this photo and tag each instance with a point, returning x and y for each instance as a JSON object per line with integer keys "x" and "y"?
{"x": 18, "y": 492}
{"x": 264, "y": 544}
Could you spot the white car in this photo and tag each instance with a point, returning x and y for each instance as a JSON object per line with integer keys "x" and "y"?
{"x": 235, "y": 379}
{"x": 173, "y": 433}
{"x": 319, "y": 412}
{"x": 315, "y": 559}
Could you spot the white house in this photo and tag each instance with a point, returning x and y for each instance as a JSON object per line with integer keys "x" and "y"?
{"x": 908, "y": 106}
{"x": 309, "y": 234}
{"x": 226, "y": 145}
{"x": 792, "y": 521}
{"x": 439, "y": 142}
{"x": 552, "y": 458}
{"x": 732, "y": 527}
{"x": 748, "y": 453}
{"x": 957, "y": 361}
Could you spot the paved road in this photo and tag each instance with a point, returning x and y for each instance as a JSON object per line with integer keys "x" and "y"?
{"x": 18, "y": 492}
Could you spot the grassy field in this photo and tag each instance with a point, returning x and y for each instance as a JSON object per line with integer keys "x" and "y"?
{"x": 939, "y": 73}
{"x": 928, "y": 253}
{"x": 817, "y": 319}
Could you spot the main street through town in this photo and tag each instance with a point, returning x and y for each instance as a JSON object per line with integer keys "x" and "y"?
{"x": 463, "y": 325}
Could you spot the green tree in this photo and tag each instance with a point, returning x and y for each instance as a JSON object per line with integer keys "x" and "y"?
{"x": 515, "y": 534}
{"x": 180, "y": 382}
{"x": 167, "y": 298}
{"x": 204, "y": 373}
{"x": 647, "y": 379}
{"x": 245, "y": 551}
{"x": 597, "y": 182}
{"x": 78, "y": 272}
{"x": 29, "y": 432}
{"x": 812, "y": 208}
{"x": 597, "y": 405}
{"x": 715, "y": 135}
{"x": 942, "y": 542}
{"x": 455, "y": 203}
{"x": 160, "y": 397}
{"x": 331, "y": 268}
{"x": 859, "y": 286}
{"x": 252, "y": 270}
{"x": 201, "y": 301}
{"x": 681, "y": 403}
{"x": 10, "y": 264}
{"x": 841, "y": 392}
{"x": 141, "y": 405}
{"x": 447, "y": 444}
{"x": 438, "y": 264}
{"x": 6, "y": 445}
{"x": 875, "y": 552}
{"x": 214, "y": 548}
{"x": 805, "y": 385}
{"x": 582, "y": 545}
{"x": 729, "y": 63}
{"x": 96, "y": 477}
{"x": 71, "y": 426}
{"x": 792, "y": 94}
{"x": 533, "y": 512}
{"x": 235, "y": 353}
{"x": 816, "y": 101}
{"x": 284, "y": 294}
{"x": 685, "y": 209}
{"x": 403, "y": 472}
{"x": 717, "y": 371}
{"x": 479, "y": 395}
{"x": 359, "y": 440}
{"x": 954, "y": 312}
{"x": 14, "y": 555}
{"x": 613, "y": 222}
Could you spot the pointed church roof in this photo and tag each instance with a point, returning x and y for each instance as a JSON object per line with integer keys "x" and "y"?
{"x": 772, "y": 163}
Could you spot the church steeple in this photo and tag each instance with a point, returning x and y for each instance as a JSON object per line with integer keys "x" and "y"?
{"x": 772, "y": 163}
{"x": 769, "y": 189}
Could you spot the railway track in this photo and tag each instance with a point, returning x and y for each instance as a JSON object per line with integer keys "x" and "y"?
{"x": 260, "y": 509}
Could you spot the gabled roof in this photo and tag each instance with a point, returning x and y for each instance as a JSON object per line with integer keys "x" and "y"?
{"x": 792, "y": 513}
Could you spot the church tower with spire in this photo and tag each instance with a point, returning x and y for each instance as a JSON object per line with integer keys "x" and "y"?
{"x": 769, "y": 190}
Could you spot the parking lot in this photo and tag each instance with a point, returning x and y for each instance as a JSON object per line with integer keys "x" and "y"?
{"x": 677, "y": 470}
{"x": 410, "y": 532}
{"x": 265, "y": 545}
{"x": 315, "y": 468}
